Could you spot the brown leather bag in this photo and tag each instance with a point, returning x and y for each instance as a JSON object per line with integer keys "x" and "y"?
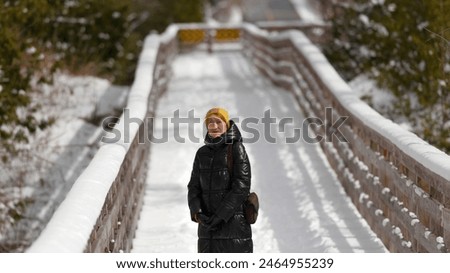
{"x": 251, "y": 207}
{"x": 251, "y": 204}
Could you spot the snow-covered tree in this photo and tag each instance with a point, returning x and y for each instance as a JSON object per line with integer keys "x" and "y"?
{"x": 403, "y": 45}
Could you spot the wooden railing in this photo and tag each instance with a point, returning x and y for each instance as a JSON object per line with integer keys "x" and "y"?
{"x": 318, "y": 34}
{"x": 399, "y": 183}
{"x": 115, "y": 227}
{"x": 101, "y": 211}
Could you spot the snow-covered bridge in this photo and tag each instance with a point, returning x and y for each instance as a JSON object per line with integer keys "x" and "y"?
{"x": 365, "y": 186}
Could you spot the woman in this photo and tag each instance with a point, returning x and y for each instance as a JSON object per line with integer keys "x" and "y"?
{"x": 215, "y": 195}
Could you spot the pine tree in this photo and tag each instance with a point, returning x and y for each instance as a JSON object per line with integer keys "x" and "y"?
{"x": 20, "y": 55}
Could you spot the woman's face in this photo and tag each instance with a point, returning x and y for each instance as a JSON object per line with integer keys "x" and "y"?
{"x": 215, "y": 126}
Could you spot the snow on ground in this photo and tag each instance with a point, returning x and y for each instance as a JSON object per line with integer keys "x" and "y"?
{"x": 379, "y": 99}
{"x": 57, "y": 155}
{"x": 303, "y": 206}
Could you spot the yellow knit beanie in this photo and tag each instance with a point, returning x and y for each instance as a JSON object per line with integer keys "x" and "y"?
{"x": 221, "y": 113}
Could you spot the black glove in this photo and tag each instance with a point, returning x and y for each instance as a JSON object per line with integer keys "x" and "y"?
{"x": 203, "y": 219}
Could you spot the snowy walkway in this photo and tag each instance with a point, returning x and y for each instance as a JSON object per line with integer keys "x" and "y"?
{"x": 303, "y": 206}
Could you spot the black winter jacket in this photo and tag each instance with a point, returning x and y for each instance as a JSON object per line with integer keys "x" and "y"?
{"x": 212, "y": 190}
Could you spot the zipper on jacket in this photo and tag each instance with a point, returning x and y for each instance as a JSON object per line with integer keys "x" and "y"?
{"x": 210, "y": 178}
{"x": 209, "y": 196}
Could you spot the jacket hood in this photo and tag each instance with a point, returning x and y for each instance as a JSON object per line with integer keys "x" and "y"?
{"x": 230, "y": 136}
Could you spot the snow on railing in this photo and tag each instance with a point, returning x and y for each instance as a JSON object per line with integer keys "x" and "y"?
{"x": 99, "y": 213}
{"x": 317, "y": 32}
{"x": 404, "y": 180}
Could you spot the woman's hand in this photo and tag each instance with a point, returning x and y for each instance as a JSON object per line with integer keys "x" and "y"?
{"x": 202, "y": 218}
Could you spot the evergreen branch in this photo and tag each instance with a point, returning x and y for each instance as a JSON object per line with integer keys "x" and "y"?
{"x": 439, "y": 35}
